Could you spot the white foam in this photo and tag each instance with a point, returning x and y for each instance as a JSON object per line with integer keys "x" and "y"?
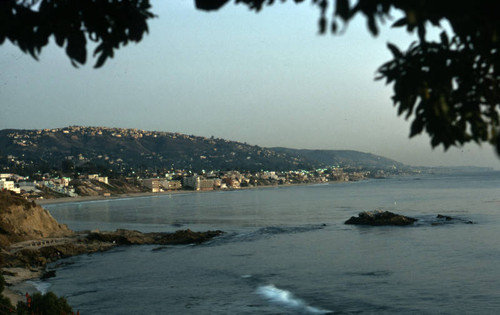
{"x": 41, "y": 286}
{"x": 287, "y": 299}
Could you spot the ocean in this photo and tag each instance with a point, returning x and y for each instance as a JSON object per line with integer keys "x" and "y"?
{"x": 286, "y": 250}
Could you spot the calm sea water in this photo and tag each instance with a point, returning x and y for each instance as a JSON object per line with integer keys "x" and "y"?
{"x": 287, "y": 251}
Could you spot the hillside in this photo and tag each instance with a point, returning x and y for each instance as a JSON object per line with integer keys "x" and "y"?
{"x": 128, "y": 151}
{"x": 101, "y": 148}
{"x": 343, "y": 158}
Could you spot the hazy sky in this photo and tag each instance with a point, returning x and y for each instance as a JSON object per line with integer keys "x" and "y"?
{"x": 266, "y": 79}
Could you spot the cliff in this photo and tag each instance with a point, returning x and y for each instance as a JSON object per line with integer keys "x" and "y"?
{"x": 22, "y": 220}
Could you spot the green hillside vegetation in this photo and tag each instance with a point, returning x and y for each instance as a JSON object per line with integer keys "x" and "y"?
{"x": 97, "y": 149}
{"x": 123, "y": 152}
{"x": 343, "y": 158}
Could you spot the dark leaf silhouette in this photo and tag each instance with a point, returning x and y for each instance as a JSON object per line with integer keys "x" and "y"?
{"x": 450, "y": 87}
{"x": 111, "y": 23}
{"x": 400, "y": 22}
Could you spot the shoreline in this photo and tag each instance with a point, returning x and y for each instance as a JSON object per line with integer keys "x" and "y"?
{"x": 52, "y": 201}
{"x": 17, "y": 278}
{"x": 33, "y": 265}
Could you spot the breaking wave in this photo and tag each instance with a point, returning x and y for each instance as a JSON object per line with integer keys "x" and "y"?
{"x": 41, "y": 286}
{"x": 288, "y": 300}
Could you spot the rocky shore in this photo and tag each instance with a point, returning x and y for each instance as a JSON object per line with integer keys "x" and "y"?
{"x": 30, "y": 238}
{"x": 28, "y": 260}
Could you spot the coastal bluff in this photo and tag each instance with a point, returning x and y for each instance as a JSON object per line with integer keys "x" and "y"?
{"x": 30, "y": 238}
{"x": 22, "y": 220}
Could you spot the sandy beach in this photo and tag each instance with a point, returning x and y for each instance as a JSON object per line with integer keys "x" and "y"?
{"x": 148, "y": 194}
{"x": 120, "y": 196}
{"x": 14, "y": 278}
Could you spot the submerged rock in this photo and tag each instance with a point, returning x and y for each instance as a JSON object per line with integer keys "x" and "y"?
{"x": 128, "y": 237}
{"x": 48, "y": 274}
{"x": 378, "y": 217}
{"x": 445, "y": 219}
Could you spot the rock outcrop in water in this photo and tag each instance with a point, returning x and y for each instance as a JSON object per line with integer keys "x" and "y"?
{"x": 378, "y": 217}
{"x": 446, "y": 219}
{"x": 37, "y": 253}
{"x": 128, "y": 237}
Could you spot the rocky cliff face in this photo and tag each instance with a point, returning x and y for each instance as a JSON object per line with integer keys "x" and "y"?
{"x": 22, "y": 220}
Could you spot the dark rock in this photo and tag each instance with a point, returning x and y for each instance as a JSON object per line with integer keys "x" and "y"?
{"x": 48, "y": 274}
{"x": 447, "y": 218}
{"x": 156, "y": 249}
{"x": 184, "y": 237}
{"x": 127, "y": 237}
{"x": 98, "y": 242}
{"x": 378, "y": 217}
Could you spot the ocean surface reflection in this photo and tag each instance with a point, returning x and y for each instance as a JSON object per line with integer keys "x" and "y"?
{"x": 287, "y": 251}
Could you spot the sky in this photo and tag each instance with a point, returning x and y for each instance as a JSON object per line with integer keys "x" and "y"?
{"x": 267, "y": 79}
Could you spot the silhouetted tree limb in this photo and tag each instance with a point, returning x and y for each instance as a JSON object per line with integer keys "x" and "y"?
{"x": 29, "y": 24}
{"x": 450, "y": 86}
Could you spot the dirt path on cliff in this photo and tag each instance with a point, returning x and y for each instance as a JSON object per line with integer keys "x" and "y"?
{"x": 39, "y": 243}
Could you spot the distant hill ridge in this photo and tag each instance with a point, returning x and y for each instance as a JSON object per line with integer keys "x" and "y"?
{"x": 343, "y": 158}
{"x": 123, "y": 149}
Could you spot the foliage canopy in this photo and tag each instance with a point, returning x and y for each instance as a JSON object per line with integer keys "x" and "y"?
{"x": 450, "y": 87}
{"x": 29, "y": 24}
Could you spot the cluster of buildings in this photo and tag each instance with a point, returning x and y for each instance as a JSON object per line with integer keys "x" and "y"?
{"x": 59, "y": 186}
{"x": 174, "y": 180}
{"x": 6, "y": 184}
{"x": 237, "y": 180}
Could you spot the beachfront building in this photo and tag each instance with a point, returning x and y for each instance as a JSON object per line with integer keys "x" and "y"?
{"x": 9, "y": 185}
{"x": 152, "y": 183}
{"x": 171, "y": 184}
{"x": 102, "y": 179}
{"x": 196, "y": 182}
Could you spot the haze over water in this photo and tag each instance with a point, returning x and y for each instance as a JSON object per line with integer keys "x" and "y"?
{"x": 287, "y": 251}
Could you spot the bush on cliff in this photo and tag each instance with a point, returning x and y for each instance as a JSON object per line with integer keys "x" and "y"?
{"x": 5, "y": 304}
{"x": 44, "y": 304}
{"x": 9, "y": 199}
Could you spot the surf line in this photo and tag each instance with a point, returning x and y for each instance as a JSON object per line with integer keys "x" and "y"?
{"x": 288, "y": 300}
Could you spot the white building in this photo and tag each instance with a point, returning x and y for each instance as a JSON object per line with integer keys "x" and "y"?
{"x": 152, "y": 183}
{"x": 102, "y": 179}
{"x": 198, "y": 183}
{"x": 9, "y": 185}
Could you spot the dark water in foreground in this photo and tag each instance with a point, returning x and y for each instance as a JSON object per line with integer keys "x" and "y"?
{"x": 287, "y": 251}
